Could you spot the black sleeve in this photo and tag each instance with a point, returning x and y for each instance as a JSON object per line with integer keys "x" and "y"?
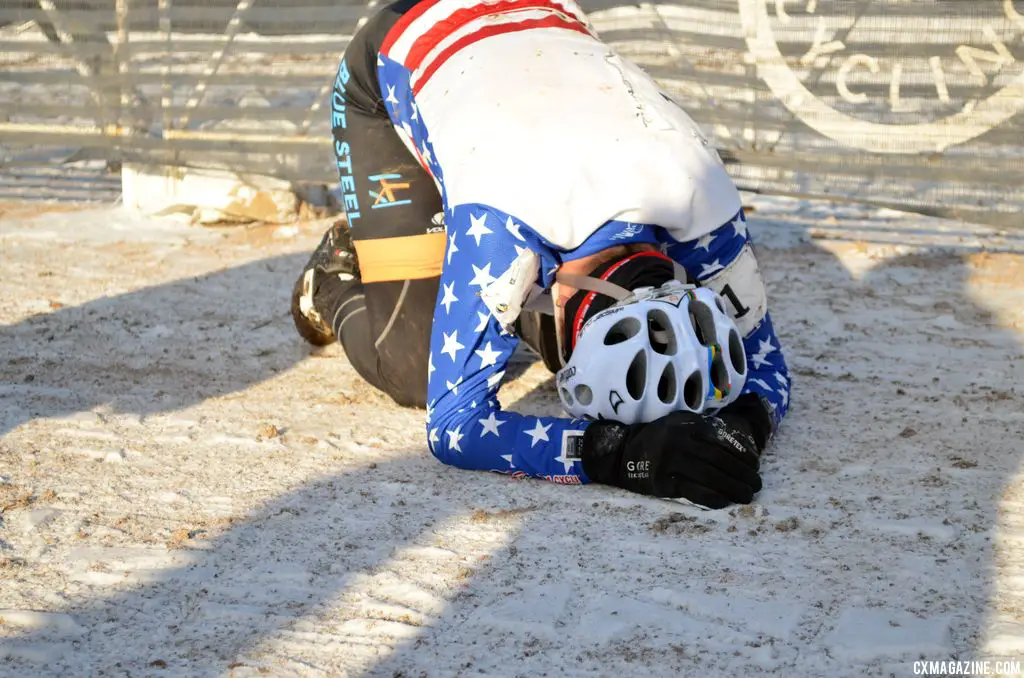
{"x": 361, "y": 54}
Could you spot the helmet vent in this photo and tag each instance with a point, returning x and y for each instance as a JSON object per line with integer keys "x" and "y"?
{"x": 667, "y": 385}
{"x": 567, "y": 397}
{"x": 703, "y": 322}
{"x": 584, "y": 395}
{"x": 623, "y": 330}
{"x": 736, "y": 353}
{"x": 720, "y": 305}
{"x": 660, "y": 334}
{"x": 636, "y": 375}
{"x": 693, "y": 391}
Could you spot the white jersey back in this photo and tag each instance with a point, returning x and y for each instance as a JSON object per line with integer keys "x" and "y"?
{"x": 529, "y": 113}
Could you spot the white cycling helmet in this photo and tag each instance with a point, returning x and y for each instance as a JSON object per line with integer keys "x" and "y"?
{"x": 657, "y": 350}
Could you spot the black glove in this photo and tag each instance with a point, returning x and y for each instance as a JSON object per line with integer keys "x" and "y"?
{"x": 749, "y": 413}
{"x": 705, "y": 460}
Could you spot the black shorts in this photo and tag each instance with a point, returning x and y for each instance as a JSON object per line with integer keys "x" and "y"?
{"x": 391, "y": 203}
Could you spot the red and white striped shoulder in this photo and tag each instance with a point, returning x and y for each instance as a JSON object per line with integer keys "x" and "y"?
{"x": 433, "y": 31}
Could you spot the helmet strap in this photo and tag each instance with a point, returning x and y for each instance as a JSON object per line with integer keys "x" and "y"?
{"x": 607, "y": 288}
{"x": 586, "y": 282}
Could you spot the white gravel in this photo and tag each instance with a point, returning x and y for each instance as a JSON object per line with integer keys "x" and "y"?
{"x": 187, "y": 489}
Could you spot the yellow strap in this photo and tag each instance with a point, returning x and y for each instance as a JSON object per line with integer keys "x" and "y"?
{"x": 411, "y": 257}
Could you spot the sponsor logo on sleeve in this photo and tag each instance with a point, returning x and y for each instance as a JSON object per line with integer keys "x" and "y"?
{"x": 385, "y": 196}
{"x": 630, "y": 231}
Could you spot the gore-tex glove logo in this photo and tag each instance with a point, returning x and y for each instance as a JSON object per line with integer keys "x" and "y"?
{"x": 638, "y": 470}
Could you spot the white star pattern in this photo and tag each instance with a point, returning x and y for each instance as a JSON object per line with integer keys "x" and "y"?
{"x": 766, "y": 346}
{"x": 513, "y": 228}
{"x": 779, "y": 377}
{"x": 433, "y": 436}
{"x": 380, "y": 62}
{"x": 430, "y": 365}
{"x": 391, "y": 99}
{"x": 481, "y": 276}
{"x": 761, "y": 383}
{"x": 508, "y": 458}
{"x": 495, "y": 379}
{"x": 426, "y": 154}
{"x": 449, "y": 297}
{"x": 453, "y": 386}
{"x": 739, "y": 226}
{"x": 415, "y": 111}
{"x": 490, "y": 425}
{"x": 452, "y": 248}
{"x": 538, "y": 433}
{"x": 785, "y": 397}
{"x": 488, "y": 356}
{"x": 761, "y": 356}
{"x": 453, "y": 439}
{"x": 704, "y": 242}
{"x": 451, "y": 344}
{"x": 482, "y": 325}
{"x": 519, "y": 250}
{"x": 407, "y": 129}
{"x": 709, "y": 269}
{"x": 478, "y": 227}
{"x": 566, "y": 462}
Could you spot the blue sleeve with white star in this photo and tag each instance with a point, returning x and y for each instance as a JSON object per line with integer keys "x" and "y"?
{"x": 468, "y": 351}
{"x": 711, "y": 258}
{"x": 468, "y": 354}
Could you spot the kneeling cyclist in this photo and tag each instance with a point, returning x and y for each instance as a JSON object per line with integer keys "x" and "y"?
{"x": 496, "y": 158}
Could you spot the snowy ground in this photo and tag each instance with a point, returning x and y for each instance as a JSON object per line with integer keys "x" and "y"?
{"x": 186, "y": 489}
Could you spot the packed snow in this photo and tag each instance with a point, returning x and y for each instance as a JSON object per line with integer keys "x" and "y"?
{"x": 187, "y": 489}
